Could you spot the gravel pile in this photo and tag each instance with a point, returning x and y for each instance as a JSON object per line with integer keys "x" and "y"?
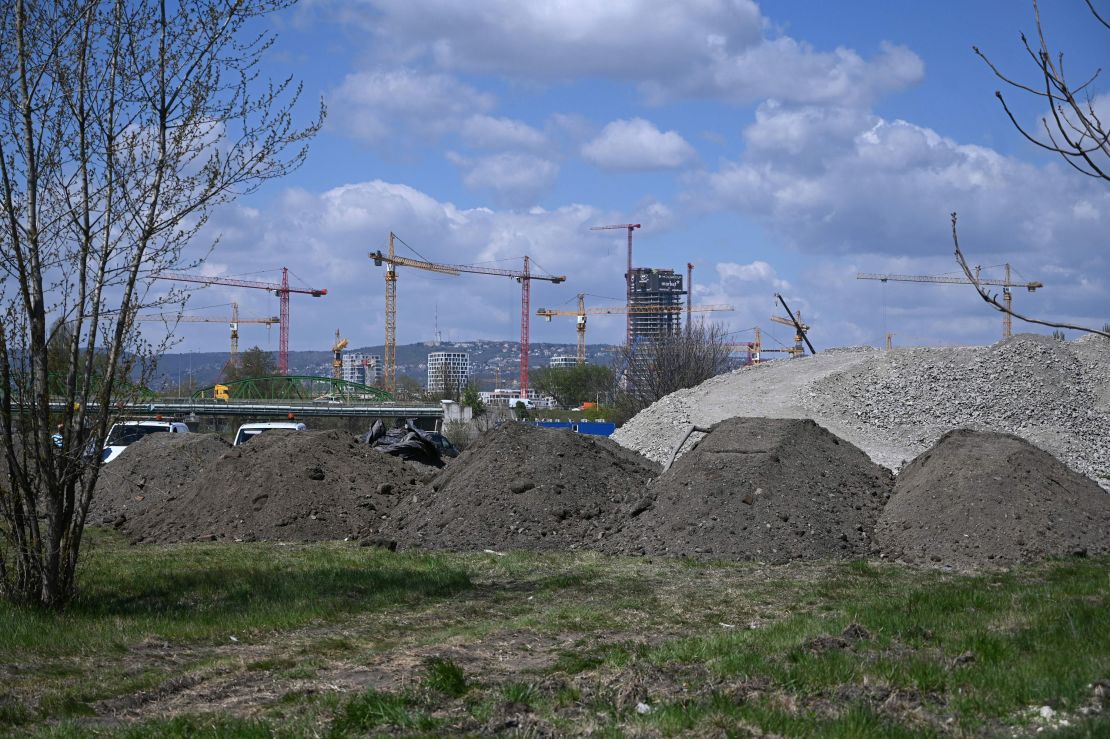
{"x": 761, "y": 489}
{"x": 291, "y": 486}
{"x": 980, "y": 498}
{"x": 150, "y": 471}
{"x": 525, "y": 487}
{"x": 895, "y": 405}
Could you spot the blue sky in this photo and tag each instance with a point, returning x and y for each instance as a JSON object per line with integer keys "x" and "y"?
{"x": 780, "y": 147}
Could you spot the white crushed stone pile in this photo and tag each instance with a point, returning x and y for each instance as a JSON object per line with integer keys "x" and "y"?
{"x": 895, "y": 405}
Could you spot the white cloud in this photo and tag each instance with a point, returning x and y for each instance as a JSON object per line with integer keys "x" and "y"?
{"x": 330, "y": 233}
{"x": 707, "y": 49}
{"x": 852, "y": 191}
{"x": 793, "y": 71}
{"x": 515, "y": 179}
{"x": 637, "y": 144}
{"x": 838, "y": 180}
{"x": 372, "y": 105}
{"x": 757, "y": 271}
{"x": 486, "y": 132}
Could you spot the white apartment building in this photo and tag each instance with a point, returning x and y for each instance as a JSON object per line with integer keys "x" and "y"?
{"x": 448, "y": 369}
{"x": 365, "y": 369}
{"x": 562, "y": 361}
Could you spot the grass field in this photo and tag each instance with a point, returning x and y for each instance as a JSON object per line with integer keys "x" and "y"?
{"x": 337, "y": 640}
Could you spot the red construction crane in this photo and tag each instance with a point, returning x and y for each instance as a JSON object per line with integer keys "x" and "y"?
{"x": 627, "y": 275}
{"x": 233, "y": 322}
{"x": 524, "y": 277}
{"x": 282, "y": 290}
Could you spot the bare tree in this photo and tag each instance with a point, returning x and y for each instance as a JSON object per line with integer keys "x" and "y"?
{"x": 122, "y": 124}
{"x": 653, "y": 369}
{"x": 1073, "y": 128}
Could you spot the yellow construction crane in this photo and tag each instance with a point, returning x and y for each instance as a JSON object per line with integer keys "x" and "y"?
{"x": 392, "y": 261}
{"x": 1006, "y": 283}
{"x": 337, "y": 356}
{"x": 755, "y": 348}
{"x": 797, "y": 334}
{"x": 583, "y": 311}
{"x": 233, "y": 322}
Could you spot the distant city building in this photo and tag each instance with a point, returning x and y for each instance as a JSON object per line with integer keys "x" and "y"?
{"x": 562, "y": 360}
{"x": 365, "y": 369}
{"x": 448, "y": 369}
{"x": 656, "y": 287}
{"x": 502, "y": 397}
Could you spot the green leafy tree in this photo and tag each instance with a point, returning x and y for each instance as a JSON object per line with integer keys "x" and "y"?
{"x": 254, "y": 362}
{"x": 572, "y": 386}
{"x": 472, "y": 400}
{"x": 123, "y": 124}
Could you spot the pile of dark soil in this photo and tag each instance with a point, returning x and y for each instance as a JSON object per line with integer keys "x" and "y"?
{"x": 979, "y": 499}
{"x": 153, "y": 469}
{"x": 525, "y": 487}
{"x": 291, "y": 486}
{"x": 762, "y": 489}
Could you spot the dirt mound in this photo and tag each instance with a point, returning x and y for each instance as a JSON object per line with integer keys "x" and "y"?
{"x": 294, "y": 486}
{"x": 525, "y": 487}
{"x": 154, "y": 468}
{"x": 762, "y": 489}
{"x": 982, "y": 498}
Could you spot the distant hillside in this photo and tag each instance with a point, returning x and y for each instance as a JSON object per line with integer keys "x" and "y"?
{"x": 488, "y": 359}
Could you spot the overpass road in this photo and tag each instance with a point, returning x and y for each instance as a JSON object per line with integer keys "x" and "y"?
{"x": 276, "y": 409}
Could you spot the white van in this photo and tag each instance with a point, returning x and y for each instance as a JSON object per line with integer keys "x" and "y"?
{"x": 248, "y": 431}
{"x": 529, "y": 405}
{"x": 128, "y": 432}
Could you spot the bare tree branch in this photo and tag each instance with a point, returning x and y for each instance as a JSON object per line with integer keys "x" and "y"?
{"x": 993, "y": 300}
{"x": 1073, "y": 129}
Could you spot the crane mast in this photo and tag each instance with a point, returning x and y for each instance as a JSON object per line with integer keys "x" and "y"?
{"x": 628, "y": 273}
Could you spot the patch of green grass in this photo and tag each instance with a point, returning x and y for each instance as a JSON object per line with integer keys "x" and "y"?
{"x": 179, "y": 727}
{"x": 445, "y": 676}
{"x": 209, "y": 593}
{"x": 993, "y": 644}
{"x": 65, "y": 705}
{"x": 718, "y": 714}
{"x": 271, "y": 664}
{"x": 13, "y": 713}
{"x": 523, "y": 693}
{"x": 374, "y": 709}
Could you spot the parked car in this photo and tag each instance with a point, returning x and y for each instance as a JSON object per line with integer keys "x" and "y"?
{"x": 248, "y": 431}
{"x": 128, "y": 432}
{"x": 446, "y": 448}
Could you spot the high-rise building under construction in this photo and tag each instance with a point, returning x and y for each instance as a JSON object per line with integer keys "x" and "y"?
{"x": 656, "y": 287}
